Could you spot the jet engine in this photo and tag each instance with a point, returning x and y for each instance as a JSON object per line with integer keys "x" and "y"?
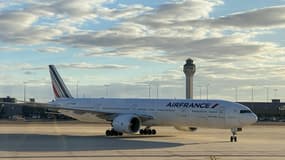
{"x": 185, "y": 128}
{"x": 126, "y": 123}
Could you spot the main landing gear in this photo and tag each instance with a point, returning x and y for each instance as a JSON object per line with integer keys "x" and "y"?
{"x": 112, "y": 132}
{"x": 234, "y": 136}
{"x": 147, "y": 131}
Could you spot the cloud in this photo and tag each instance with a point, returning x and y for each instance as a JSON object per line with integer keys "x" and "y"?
{"x": 51, "y": 50}
{"x": 11, "y": 22}
{"x": 180, "y": 11}
{"x": 28, "y": 73}
{"x": 265, "y": 18}
{"x": 81, "y": 65}
{"x": 30, "y": 68}
{"x": 93, "y": 66}
{"x": 169, "y": 78}
{"x": 9, "y": 49}
{"x": 160, "y": 35}
{"x": 122, "y": 12}
{"x": 44, "y": 21}
{"x": 17, "y": 26}
{"x": 37, "y": 22}
{"x": 167, "y": 49}
{"x": 172, "y": 32}
{"x": 75, "y": 8}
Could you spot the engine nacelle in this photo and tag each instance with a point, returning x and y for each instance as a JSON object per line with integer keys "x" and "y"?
{"x": 185, "y": 128}
{"x": 126, "y": 123}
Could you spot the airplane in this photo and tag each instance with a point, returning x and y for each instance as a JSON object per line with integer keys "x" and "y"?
{"x": 138, "y": 116}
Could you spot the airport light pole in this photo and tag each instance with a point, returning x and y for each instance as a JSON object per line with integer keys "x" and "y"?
{"x": 107, "y": 89}
{"x": 207, "y": 90}
{"x": 275, "y": 92}
{"x": 200, "y": 91}
{"x": 267, "y": 94}
{"x": 236, "y": 90}
{"x": 25, "y": 91}
{"x": 149, "y": 90}
{"x": 252, "y": 94}
{"x": 157, "y": 91}
{"x": 77, "y": 89}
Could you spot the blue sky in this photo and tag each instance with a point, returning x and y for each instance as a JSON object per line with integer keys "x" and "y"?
{"x": 131, "y": 45}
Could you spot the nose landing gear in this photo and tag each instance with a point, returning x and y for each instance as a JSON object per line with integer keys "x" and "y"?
{"x": 234, "y": 136}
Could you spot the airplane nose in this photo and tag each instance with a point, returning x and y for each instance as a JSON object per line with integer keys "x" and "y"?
{"x": 253, "y": 118}
{"x": 248, "y": 119}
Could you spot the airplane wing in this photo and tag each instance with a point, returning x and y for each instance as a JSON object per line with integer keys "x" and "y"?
{"x": 108, "y": 116}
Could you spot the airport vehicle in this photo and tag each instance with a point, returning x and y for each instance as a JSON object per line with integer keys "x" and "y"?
{"x": 129, "y": 115}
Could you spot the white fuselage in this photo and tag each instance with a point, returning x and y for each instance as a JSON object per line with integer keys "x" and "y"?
{"x": 164, "y": 112}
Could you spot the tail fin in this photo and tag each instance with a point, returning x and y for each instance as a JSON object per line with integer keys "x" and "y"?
{"x": 58, "y": 86}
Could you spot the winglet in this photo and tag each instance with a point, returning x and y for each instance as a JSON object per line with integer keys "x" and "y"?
{"x": 59, "y": 88}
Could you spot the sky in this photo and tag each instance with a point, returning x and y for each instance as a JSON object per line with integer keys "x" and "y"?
{"x": 137, "y": 48}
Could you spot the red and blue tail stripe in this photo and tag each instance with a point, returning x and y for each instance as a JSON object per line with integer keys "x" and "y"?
{"x": 59, "y": 88}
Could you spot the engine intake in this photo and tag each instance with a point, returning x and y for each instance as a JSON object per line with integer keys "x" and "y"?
{"x": 126, "y": 123}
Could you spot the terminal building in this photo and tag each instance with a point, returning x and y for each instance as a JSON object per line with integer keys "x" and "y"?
{"x": 267, "y": 111}
{"x": 13, "y": 112}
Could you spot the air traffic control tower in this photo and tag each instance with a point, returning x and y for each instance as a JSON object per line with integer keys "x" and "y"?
{"x": 189, "y": 70}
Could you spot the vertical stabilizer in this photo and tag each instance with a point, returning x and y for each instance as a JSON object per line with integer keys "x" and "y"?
{"x": 59, "y": 88}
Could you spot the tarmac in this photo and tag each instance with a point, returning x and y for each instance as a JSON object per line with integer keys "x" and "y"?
{"x": 81, "y": 141}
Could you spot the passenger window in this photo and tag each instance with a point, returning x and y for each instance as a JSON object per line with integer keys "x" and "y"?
{"x": 245, "y": 111}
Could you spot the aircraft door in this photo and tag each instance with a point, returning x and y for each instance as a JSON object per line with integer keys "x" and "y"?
{"x": 232, "y": 117}
{"x": 216, "y": 117}
{"x": 198, "y": 117}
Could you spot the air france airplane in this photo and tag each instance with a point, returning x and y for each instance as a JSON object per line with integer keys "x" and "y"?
{"x": 130, "y": 115}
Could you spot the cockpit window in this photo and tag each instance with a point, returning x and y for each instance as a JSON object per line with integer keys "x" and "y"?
{"x": 245, "y": 111}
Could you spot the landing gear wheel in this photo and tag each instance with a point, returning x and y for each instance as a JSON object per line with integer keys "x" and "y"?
{"x": 147, "y": 131}
{"x": 108, "y": 133}
{"x": 233, "y": 139}
{"x": 234, "y": 136}
{"x": 112, "y": 132}
{"x": 153, "y": 131}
